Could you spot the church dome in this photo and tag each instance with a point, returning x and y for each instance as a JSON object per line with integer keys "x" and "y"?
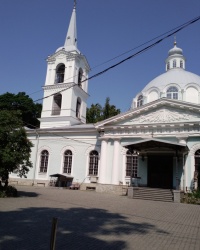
{"x": 175, "y": 51}
{"x": 176, "y": 76}
{"x": 175, "y": 83}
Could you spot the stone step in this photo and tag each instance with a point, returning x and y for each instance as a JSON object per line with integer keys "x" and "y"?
{"x": 153, "y": 194}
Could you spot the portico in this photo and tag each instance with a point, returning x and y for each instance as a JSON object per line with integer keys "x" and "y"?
{"x": 161, "y": 162}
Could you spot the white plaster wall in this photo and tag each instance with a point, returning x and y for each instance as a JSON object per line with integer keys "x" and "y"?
{"x": 192, "y": 95}
{"x": 152, "y": 96}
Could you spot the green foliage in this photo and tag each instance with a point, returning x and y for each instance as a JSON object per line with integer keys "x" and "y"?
{"x": 8, "y": 191}
{"x": 30, "y": 111}
{"x": 98, "y": 113}
{"x": 15, "y": 148}
{"x": 192, "y": 198}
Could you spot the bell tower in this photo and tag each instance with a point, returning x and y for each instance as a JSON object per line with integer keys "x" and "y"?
{"x": 66, "y": 85}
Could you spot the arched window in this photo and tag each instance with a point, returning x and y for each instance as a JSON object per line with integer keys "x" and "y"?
{"x": 67, "y": 164}
{"x": 78, "y": 108}
{"x": 44, "y": 157}
{"x": 60, "y": 73}
{"x": 174, "y": 63}
{"x": 140, "y": 101}
{"x": 80, "y": 76}
{"x": 168, "y": 65}
{"x": 93, "y": 163}
{"x": 57, "y": 102}
{"x": 131, "y": 164}
{"x": 172, "y": 93}
{"x": 181, "y": 64}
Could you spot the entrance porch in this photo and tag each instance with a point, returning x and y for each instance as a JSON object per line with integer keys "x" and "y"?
{"x": 160, "y": 163}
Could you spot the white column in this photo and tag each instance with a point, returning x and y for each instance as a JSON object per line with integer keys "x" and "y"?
{"x": 102, "y": 169}
{"x": 115, "y": 167}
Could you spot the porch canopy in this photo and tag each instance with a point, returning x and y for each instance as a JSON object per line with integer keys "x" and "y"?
{"x": 61, "y": 176}
{"x": 150, "y": 144}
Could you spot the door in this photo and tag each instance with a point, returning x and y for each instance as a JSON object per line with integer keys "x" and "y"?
{"x": 160, "y": 171}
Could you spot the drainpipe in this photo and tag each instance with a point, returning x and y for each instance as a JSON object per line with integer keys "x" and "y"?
{"x": 36, "y": 153}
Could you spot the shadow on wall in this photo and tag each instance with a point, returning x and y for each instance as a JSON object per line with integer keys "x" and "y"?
{"x": 78, "y": 228}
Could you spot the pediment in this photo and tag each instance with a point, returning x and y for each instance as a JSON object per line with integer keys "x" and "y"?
{"x": 164, "y": 115}
{"x": 159, "y": 114}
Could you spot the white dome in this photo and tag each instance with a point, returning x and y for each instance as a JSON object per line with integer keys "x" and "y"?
{"x": 173, "y": 76}
{"x": 175, "y": 51}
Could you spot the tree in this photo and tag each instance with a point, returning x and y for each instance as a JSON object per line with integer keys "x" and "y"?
{"x": 98, "y": 113}
{"x": 30, "y": 111}
{"x": 109, "y": 110}
{"x": 15, "y": 148}
{"x": 94, "y": 113}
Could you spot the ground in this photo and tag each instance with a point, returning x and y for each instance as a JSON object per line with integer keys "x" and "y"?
{"x": 89, "y": 220}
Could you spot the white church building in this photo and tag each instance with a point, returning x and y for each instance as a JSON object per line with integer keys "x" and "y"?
{"x": 155, "y": 144}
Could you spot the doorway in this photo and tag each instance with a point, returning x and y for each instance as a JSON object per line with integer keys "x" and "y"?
{"x": 160, "y": 171}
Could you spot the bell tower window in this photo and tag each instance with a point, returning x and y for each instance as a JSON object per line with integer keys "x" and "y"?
{"x": 80, "y": 76}
{"x": 60, "y": 73}
{"x": 174, "y": 63}
{"x": 57, "y": 102}
{"x": 172, "y": 93}
{"x": 140, "y": 101}
{"x": 181, "y": 64}
{"x": 78, "y": 108}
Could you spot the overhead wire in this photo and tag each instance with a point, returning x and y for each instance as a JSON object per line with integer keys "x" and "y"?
{"x": 68, "y": 138}
{"x": 173, "y": 32}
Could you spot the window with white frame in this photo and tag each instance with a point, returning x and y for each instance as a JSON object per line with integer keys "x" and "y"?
{"x": 44, "y": 158}
{"x": 174, "y": 63}
{"x": 67, "y": 164}
{"x": 131, "y": 164}
{"x": 93, "y": 163}
{"x": 140, "y": 101}
{"x": 181, "y": 64}
{"x": 172, "y": 93}
{"x": 168, "y": 65}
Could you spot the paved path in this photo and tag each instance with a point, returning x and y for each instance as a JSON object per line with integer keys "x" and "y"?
{"x": 89, "y": 220}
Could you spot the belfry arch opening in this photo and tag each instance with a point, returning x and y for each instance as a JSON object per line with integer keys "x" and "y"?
{"x": 60, "y": 73}
{"x": 57, "y": 103}
{"x": 80, "y": 76}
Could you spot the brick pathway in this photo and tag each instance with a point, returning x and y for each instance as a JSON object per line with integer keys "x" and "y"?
{"x": 89, "y": 220}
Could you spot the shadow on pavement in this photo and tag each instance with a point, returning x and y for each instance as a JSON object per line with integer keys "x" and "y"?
{"x": 78, "y": 228}
{"x": 27, "y": 194}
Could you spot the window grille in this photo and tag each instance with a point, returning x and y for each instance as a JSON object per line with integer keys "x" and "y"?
{"x": 93, "y": 163}
{"x": 131, "y": 164}
{"x": 44, "y": 157}
{"x": 67, "y": 164}
{"x": 172, "y": 93}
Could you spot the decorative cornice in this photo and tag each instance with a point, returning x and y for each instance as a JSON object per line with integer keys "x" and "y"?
{"x": 59, "y": 86}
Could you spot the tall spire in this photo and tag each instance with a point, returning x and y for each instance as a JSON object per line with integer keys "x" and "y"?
{"x": 71, "y": 38}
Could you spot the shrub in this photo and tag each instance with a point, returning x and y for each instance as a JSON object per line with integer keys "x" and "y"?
{"x": 8, "y": 191}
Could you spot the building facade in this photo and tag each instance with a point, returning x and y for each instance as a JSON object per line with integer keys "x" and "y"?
{"x": 154, "y": 144}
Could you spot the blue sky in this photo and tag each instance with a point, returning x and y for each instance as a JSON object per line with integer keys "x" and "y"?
{"x": 31, "y": 30}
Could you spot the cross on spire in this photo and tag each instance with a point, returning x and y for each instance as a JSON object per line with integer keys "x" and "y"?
{"x": 75, "y": 4}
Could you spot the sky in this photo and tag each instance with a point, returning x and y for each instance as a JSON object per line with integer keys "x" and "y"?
{"x": 31, "y": 30}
